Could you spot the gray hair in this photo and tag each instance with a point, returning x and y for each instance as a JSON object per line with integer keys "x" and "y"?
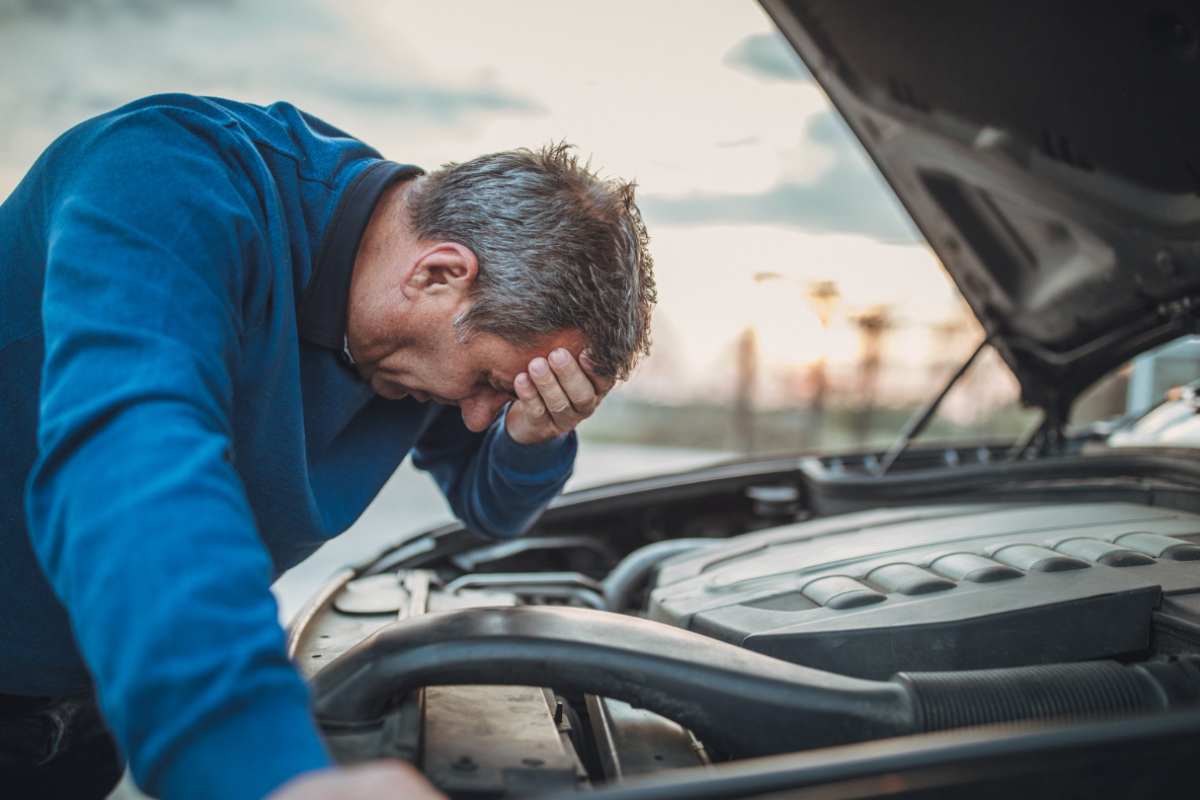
{"x": 558, "y": 248}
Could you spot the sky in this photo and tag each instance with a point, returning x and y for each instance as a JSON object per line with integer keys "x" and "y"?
{"x": 750, "y": 184}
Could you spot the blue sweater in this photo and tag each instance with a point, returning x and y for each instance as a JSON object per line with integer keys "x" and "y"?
{"x": 178, "y": 427}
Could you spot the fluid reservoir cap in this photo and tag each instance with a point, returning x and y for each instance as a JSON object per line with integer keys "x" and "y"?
{"x": 375, "y": 594}
{"x": 774, "y": 501}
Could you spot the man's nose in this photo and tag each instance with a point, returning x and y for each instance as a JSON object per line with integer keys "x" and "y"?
{"x": 479, "y": 412}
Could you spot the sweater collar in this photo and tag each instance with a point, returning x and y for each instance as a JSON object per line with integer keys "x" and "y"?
{"x": 323, "y": 306}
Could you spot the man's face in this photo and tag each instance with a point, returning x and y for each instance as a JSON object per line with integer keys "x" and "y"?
{"x": 476, "y": 375}
{"x": 404, "y": 297}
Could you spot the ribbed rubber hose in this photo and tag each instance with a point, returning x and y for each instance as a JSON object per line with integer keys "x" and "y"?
{"x": 943, "y": 700}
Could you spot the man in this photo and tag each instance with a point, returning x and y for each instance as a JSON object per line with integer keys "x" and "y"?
{"x": 220, "y": 329}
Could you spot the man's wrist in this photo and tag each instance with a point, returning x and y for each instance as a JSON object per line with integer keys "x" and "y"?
{"x": 504, "y": 427}
{"x": 539, "y": 461}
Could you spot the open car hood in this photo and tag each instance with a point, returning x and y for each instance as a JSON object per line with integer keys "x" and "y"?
{"x": 1050, "y": 154}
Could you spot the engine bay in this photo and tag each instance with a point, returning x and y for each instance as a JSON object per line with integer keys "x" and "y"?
{"x": 1000, "y": 619}
{"x": 944, "y": 588}
{"x": 564, "y": 661}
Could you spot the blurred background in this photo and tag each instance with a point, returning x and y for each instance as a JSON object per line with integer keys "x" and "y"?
{"x": 799, "y": 308}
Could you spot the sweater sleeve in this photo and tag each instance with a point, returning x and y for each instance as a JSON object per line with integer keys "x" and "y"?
{"x": 496, "y": 486}
{"x": 135, "y": 509}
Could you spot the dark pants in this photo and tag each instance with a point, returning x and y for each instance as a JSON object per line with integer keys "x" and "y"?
{"x": 52, "y": 747}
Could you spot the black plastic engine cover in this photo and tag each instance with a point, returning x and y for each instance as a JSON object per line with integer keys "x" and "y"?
{"x": 940, "y": 588}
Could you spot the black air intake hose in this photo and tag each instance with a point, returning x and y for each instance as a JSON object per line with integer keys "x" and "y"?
{"x": 741, "y": 702}
{"x": 944, "y": 700}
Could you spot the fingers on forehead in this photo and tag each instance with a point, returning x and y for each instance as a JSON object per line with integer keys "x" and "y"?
{"x": 523, "y": 386}
{"x": 577, "y": 385}
{"x": 531, "y": 401}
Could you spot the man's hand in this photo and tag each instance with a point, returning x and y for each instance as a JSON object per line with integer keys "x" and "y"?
{"x": 385, "y": 780}
{"x": 554, "y": 395}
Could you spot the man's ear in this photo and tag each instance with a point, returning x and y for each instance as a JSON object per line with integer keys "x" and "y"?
{"x": 444, "y": 267}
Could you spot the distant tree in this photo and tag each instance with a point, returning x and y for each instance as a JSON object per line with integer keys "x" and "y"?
{"x": 747, "y": 377}
{"x": 823, "y": 298}
{"x": 874, "y": 326}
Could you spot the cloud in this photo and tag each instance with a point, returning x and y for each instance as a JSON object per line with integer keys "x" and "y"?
{"x": 848, "y": 197}
{"x": 98, "y": 9}
{"x": 769, "y": 56}
{"x": 72, "y": 59}
{"x": 438, "y": 104}
{"x": 828, "y": 185}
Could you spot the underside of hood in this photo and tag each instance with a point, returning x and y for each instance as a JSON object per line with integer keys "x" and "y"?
{"x": 1050, "y": 154}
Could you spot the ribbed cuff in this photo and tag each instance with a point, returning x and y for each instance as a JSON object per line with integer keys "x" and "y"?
{"x": 544, "y": 462}
{"x": 246, "y": 754}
